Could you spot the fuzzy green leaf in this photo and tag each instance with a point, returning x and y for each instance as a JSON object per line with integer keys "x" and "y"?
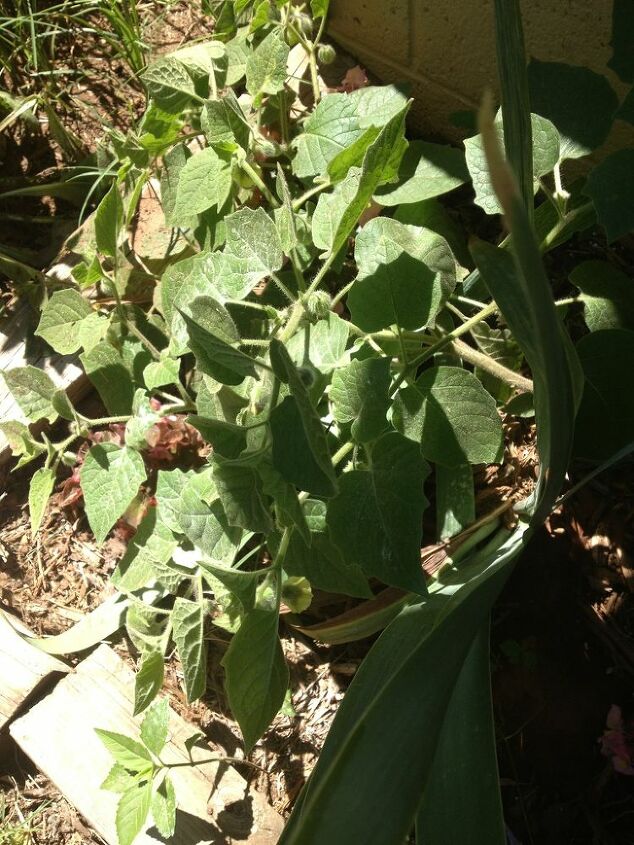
{"x": 427, "y": 170}
{"x": 216, "y": 357}
{"x": 126, "y": 751}
{"x": 132, "y": 812}
{"x": 360, "y": 394}
{"x": 206, "y": 525}
{"x": 546, "y": 153}
{"x": 452, "y": 416}
{"x": 608, "y": 295}
{"x": 65, "y": 317}
{"x": 256, "y": 674}
{"x": 188, "y": 629}
{"x": 580, "y": 103}
{"x": 376, "y": 519}
{"x": 324, "y": 341}
{"x": 266, "y": 66}
{"x": 169, "y": 84}
{"x": 33, "y": 391}
{"x": 106, "y": 369}
{"x": 242, "y": 496}
{"x": 253, "y": 238}
{"x": 164, "y": 808}
{"x": 405, "y": 275}
{"x": 610, "y": 185}
{"x": 110, "y": 479}
{"x": 108, "y": 220}
{"x": 147, "y": 685}
{"x": 330, "y": 129}
{"x": 161, "y": 373}
{"x": 40, "y": 489}
{"x": 204, "y": 182}
{"x": 155, "y": 725}
{"x": 316, "y": 557}
{"x": 300, "y": 445}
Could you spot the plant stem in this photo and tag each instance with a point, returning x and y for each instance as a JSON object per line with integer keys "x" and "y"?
{"x": 257, "y": 181}
{"x": 343, "y": 292}
{"x": 444, "y": 341}
{"x": 287, "y": 293}
{"x": 105, "y": 420}
{"x": 314, "y": 74}
{"x": 218, "y": 759}
{"x": 311, "y": 192}
{"x": 485, "y": 362}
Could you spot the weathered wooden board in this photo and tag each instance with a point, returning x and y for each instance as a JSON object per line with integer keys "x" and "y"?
{"x": 23, "y": 668}
{"x": 216, "y": 806}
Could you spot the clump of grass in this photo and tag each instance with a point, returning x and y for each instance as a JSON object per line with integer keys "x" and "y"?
{"x": 15, "y": 827}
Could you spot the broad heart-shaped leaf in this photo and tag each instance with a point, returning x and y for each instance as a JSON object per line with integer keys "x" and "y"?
{"x": 376, "y": 519}
{"x": 330, "y": 129}
{"x": 331, "y": 208}
{"x": 468, "y": 734}
{"x": 33, "y": 391}
{"x": 169, "y": 84}
{"x": 266, "y": 66}
{"x": 300, "y": 450}
{"x": 110, "y": 479}
{"x": 322, "y": 344}
{"x": 622, "y": 41}
{"x": 546, "y": 154}
{"x": 164, "y": 808}
{"x": 288, "y": 509}
{"x": 132, "y": 812}
{"x": 452, "y": 416}
{"x": 228, "y": 439}
{"x": 580, "y": 102}
{"x": 608, "y": 295}
{"x": 126, "y": 751}
{"x": 360, "y": 394}
{"x": 300, "y": 445}
{"x": 376, "y": 105}
{"x": 405, "y": 275}
{"x": 207, "y": 526}
{"x": 241, "y": 493}
{"x": 62, "y": 318}
{"x": 108, "y": 220}
{"x": 188, "y": 631}
{"x": 161, "y": 373}
{"x": 40, "y": 488}
{"x": 106, "y": 369}
{"x": 605, "y": 422}
{"x": 148, "y": 681}
{"x": 169, "y": 488}
{"x": 256, "y": 674}
{"x": 610, "y": 186}
{"x": 320, "y": 561}
{"x": 155, "y": 725}
{"x": 173, "y": 163}
{"x": 154, "y": 543}
{"x": 253, "y": 238}
{"x": 223, "y": 122}
{"x": 216, "y": 357}
{"x": 355, "y": 795}
{"x": 427, "y": 170}
{"x": 204, "y": 182}
{"x": 376, "y": 164}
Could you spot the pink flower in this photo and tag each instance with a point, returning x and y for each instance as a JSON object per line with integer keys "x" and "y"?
{"x": 617, "y": 742}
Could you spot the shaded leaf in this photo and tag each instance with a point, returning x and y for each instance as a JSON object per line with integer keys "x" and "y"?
{"x": 147, "y": 685}
{"x": 427, "y": 170}
{"x": 360, "y": 394}
{"x": 188, "y": 628}
{"x": 110, "y": 479}
{"x": 580, "y": 102}
{"x": 452, "y": 416}
{"x": 256, "y": 674}
{"x": 376, "y": 518}
{"x": 610, "y": 185}
{"x": 33, "y": 391}
{"x": 608, "y": 295}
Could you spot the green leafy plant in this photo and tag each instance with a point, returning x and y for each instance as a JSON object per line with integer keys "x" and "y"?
{"x": 328, "y": 428}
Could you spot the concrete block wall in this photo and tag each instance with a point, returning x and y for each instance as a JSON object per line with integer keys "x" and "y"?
{"x": 446, "y": 49}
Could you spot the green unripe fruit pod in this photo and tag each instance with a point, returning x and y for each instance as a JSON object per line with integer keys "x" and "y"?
{"x": 304, "y": 23}
{"x": 318, "y": 305}
{"x": 326, "y": 54}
